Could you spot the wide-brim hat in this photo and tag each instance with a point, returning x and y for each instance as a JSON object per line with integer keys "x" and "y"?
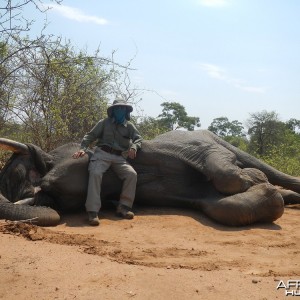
{"x": 119, "y": 102}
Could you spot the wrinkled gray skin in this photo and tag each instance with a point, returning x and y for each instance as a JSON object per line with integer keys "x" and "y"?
{"x": 194, "y": 169}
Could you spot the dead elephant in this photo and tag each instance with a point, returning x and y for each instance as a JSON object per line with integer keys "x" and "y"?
{"x": 193, "y": 169}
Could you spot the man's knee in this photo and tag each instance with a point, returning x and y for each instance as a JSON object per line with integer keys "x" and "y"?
{"x": 95, "y": 175}
{"x": 130, "y": 174}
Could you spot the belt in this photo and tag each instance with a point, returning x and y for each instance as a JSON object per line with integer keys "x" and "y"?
{"x": 111, "y": 150}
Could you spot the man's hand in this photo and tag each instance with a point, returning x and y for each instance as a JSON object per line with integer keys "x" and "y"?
{"x": 132, "y": 153}
{"x": 78, "y": 154}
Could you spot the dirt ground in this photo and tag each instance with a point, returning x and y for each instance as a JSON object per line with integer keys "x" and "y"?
{"x": 161, "y": 254}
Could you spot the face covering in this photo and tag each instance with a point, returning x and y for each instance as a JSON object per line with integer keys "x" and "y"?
{"x": 119, "y": 113}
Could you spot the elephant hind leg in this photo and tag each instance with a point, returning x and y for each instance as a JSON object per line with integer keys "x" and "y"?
{"x": 261, "y": 203}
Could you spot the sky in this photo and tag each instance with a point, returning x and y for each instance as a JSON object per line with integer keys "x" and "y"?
{"x": 218, "y": 58}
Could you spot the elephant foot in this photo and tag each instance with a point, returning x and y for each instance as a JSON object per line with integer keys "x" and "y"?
{"x": 261, "y": 203}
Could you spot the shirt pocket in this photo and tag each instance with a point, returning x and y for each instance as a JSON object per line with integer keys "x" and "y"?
{"x": 123, "y": 132}
{"x": 108, "y": 136}
{"x": 123, "y": 137}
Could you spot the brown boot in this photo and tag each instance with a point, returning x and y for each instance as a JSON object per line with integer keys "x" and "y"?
{"x": 124, "y": 211}
{"x": 93, "y": 218}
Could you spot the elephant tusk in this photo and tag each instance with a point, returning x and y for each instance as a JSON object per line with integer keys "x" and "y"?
{"x": 13, "y": 146}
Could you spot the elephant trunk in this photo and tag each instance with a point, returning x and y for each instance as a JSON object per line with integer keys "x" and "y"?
{"x": 42, "y": 216}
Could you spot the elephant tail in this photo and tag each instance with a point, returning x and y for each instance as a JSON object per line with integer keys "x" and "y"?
{"x": 40, "y": 215}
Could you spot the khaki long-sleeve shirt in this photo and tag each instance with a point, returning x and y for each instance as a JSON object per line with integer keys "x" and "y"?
{"x": 122, "y": 137}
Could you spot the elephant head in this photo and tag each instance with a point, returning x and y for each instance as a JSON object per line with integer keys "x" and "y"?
{"x": 20, "y": 176}
{"x": 23, "y": 170}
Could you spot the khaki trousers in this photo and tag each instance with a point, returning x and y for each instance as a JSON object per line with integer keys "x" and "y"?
{"x": 99, "y": 164}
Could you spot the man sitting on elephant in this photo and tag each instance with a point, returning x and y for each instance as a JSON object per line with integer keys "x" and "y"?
{"x": 117, "y": 138}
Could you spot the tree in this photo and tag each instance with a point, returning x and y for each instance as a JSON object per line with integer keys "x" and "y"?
{"x": 231, "y": 132}
{"x": 275, "y": 142}
{"x": 12, "y": 21}
{"x": 223, "y": 127}
{"x": 294, "y": 125}
{"x": 47, "y": 87}
{"x": 174, "y": 116}
{"x": 266, "y": 131}
{"x": 57, "y": 93}
{"x": 285, "y": 156}
{"x": 150, "y": 127}
{"x": 13, "y": 25}
{"x": 3, "y": 91}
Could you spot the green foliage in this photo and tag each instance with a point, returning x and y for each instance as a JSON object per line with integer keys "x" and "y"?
{"x": 293, "y": 125}
{"x": 150, "y": 127}
{"x": 286, "y": 155}
{"x": 275, "y": 142}
{"x": 4, "y": 156}
{"x": 77, "y": 99}
{"x": 224, "y": 128}
{"x": 265, "y": 131}
{"x": 13, "y": 131}
{"x": 174, "y": 116}
{"x": 3, "y": 49}
{"x": 232, "y": 132}
{"x": 237, "y": 141}
{"x": 269, "y": 139}
{"x": 55, "y": 93}
{"x": 3, "y": 90}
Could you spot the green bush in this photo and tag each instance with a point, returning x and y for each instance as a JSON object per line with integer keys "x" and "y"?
{"x": 285, "y": 156}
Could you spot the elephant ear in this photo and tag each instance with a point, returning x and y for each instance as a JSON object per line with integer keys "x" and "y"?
{"x": 13, "y": 146}
{"x": 42, "y": 160}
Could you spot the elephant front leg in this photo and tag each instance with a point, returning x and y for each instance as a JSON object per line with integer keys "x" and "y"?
{"x": 260, "y": 203}
{"x": 228, "y": 178}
